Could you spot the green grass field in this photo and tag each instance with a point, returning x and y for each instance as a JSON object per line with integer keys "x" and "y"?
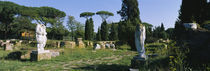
{"x": 74, "y": 60}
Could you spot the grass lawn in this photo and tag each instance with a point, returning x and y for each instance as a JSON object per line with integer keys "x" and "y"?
{"x": 74, "y": 60}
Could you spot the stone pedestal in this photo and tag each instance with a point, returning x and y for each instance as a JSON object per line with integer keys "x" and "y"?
{"x": 43, "y": 55}
{"x": 58, "y": 44}
{"x": 54, "y": 54}
{"x": 80, "y": 43}
{"x": 70, "y": 44}
{"x": 137, "y": 62}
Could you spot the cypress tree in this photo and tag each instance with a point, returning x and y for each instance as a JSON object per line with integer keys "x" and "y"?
{"x": 89, "y": 31}
{"x": 162, "y": 27}
{"x": 98, "y": 35}
{"x": 104, "y": 31}
{"x": 113, "y": 35}
{"x": 192, "y": 11}
{"x": 130, "y": 18}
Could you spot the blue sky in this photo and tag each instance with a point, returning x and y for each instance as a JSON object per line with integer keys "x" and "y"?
{"x": 151, "y": 11}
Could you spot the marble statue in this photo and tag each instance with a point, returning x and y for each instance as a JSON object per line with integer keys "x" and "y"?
{"x": 41, "y": 37}
{"x": 140, "y": 37}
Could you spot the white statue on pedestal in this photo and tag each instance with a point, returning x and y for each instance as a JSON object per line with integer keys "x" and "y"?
{"x": 140, "y": 37}
{"x": 41, "y": 37}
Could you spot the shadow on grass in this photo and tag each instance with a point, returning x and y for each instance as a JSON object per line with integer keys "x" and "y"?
{"x": 104, "y": 67}
{"x": 15, "y": 56}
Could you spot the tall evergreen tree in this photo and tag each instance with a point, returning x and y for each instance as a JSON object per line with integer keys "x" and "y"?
{"x": 89, "y": 26}
{"x": 104, "y": 31}
{"x": 162, "y": 27}
{"x": 113, "y": 34}
{"x": 98, "y": 35}
{"x": 192, "y": 11}
{"x": 130, "y": 18}
{"x": 104, "y": 26}
{"x": 130, "y": 10}
{"x": 89, "y": 31}
{"x": 207, "y": 11}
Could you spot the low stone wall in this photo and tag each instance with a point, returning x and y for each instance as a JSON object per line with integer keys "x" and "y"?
{"x": 105, "y": 44}
{"x": 70, "y": 44}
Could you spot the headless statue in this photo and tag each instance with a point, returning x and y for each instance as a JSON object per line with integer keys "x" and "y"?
{"x": 41, "y": 37}
{"x": 140, "y": 37}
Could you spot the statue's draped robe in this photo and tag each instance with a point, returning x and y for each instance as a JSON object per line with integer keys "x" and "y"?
{"x": 140, "y": 37}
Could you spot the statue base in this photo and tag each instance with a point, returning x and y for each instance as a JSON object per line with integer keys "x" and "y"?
{"x": 40, "y": 55}
{"x": 137, "y": 62}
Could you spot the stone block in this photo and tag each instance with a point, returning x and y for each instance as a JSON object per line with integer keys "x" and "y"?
{"x": 80, "y": 43}
{"x": 103, "y": 46}
{"x": 18, "y": 43}
{"x": 37, "y": 56}
{"x": 136, "y": 62}
{"x": 54, "y": 54}
{"x": 70, "y": 44}
{"x": 58, "y": 44}
{"x": 89, "y": 43}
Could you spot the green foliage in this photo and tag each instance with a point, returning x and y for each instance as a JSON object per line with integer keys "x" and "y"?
{"x": 8, "y": 11}
{"x": 16, "y": 19}
{"x": 89, "y": 29}
{"x": 89, "y": 26}
{"x": 198, "y": 13}
{"x": 162, "y": 28}
{"x": 98, "y": 35}
{"x": 171, "y": 33}
{"x": 179, "y": 30}
{"x": 149, "y": 32}
{"x": 71, "y": 24}
{"x": 130, "y": 10}
{"x": 87, "y": 14}
{"x": 130, "y": 18}
{"x": 159, "y": 32}
{"x": 126, "y": 33}
{"x": 20, "y": 24}
{"x": 178, "y": 62}
{"x": 104, "y": 14}
{"x": 80, "y": 30}
{"x": 49, "y": 15}
{"x": 76, "y": 28}
{"x": 57, "y": 33}
{"x": 104, "y": 31}
{"x": 113, "y": 32}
